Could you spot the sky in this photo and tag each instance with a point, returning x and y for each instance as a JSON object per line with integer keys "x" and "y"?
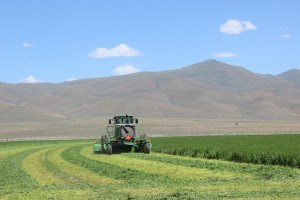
{"x": 62, "y": 40}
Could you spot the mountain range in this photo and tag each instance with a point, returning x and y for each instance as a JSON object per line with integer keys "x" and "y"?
{"x": 208, "y": 89}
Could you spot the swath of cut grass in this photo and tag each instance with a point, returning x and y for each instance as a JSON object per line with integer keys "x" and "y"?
{"x": 142, "y": 192}
{"x": 75, "y": 171}
{"x": 12, "y": 174}
{"x": 249, "y": 185}
{"x": 175, "y": 171}
{"x": 131, "y": 177}
{"x": 67, "y": 194}
{"x": 33, "y": 165}
{"x": 250, "y": 170}
{"x": 11, "y": 152}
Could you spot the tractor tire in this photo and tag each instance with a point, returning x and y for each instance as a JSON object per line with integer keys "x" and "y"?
{"x": 146, "y": 149}
{"x": 137, "y": 150}
{"x": 104, "y": 141}
{"x": 109, "y": 149}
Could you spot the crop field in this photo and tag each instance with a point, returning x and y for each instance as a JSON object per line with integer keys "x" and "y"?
{"x": 70, "y": 170}
{"x": 259, "y": 149}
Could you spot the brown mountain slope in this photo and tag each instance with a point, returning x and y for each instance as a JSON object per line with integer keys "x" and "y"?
{"x": 208, "y": 89}
{"x": 292, "y": 76}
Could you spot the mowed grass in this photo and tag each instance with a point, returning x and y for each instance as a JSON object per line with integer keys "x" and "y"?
{"x": 70, "y": 170}
{"x": 34, "y": 166}
{"x": 161, "y": 168}
{"x": 258, "y": 149}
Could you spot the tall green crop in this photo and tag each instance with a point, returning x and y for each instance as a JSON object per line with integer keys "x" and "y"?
{"x": 258, "y": 149}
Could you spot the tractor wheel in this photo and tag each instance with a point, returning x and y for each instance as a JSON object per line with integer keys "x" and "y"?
{"x": 146, "y": 149}
{"x": 104, "y": 140}
{"x": 109, "y": 149}
{"x": 137, "y": 150}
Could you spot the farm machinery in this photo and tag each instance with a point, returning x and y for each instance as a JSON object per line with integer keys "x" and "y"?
{"x": 122, "y": 137}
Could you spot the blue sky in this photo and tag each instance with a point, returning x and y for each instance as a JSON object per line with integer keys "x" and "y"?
{"x": 55, "y": 41}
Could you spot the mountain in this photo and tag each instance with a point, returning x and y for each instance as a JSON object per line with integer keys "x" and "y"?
{"x": 207, "y": 90}
{"x": 292, "y": 76}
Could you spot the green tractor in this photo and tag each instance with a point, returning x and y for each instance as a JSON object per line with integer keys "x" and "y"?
{"x": 122, "y": 137}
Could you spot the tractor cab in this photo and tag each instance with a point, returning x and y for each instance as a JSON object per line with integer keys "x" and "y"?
{"x": 121, "y": 120}
{"x": 123, "y": 127}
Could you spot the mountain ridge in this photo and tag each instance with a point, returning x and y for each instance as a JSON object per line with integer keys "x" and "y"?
{"x": 209, "y": 61}
{"x": 208, "y": 89}
{"x": 292, "y": 76}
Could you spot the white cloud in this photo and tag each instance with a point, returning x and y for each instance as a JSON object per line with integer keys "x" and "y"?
{"x": 30, "y": 79}
{"x": 72, "y": 79}
{"x": 235, "y": 26}
{"x": 27, "y": 45}
{"x": 120, "y": 50}
{"x": 286, "y": 35}
{"x": 127, "y": 69}
{"x": 225, "y": 54}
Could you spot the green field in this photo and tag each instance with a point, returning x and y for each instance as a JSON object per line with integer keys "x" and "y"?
{"x": 69, "y": 170}
{"x": 257, "y": 149}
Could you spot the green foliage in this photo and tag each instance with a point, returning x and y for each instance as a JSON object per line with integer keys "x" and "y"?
{"x": 259, "y": 149}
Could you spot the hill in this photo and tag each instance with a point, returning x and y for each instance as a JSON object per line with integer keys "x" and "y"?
{"x": 206, "y": 90}
{"x": 292, "y": 76}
